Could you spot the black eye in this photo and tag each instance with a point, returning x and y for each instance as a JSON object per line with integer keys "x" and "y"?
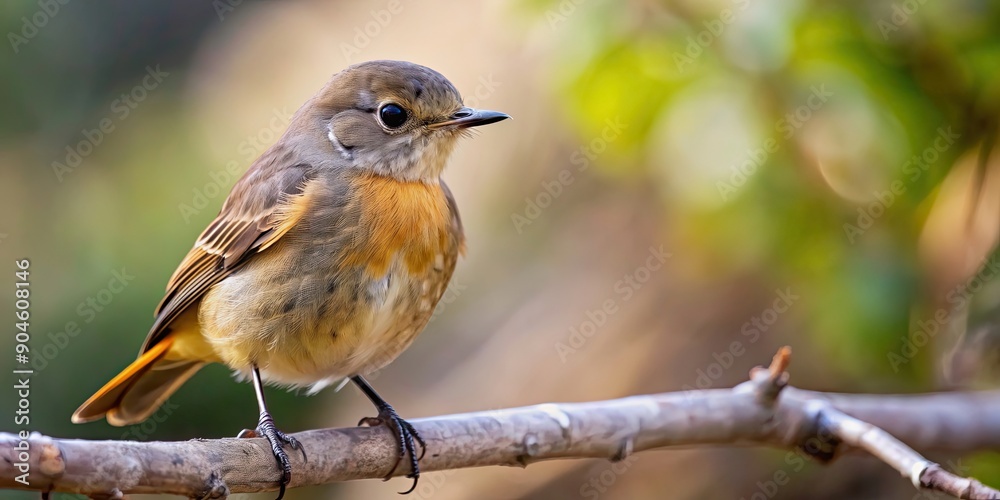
{"x": 392, "y": 115}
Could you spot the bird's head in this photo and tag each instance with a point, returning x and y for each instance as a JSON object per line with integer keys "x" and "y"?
{"x": 392, "y": 118}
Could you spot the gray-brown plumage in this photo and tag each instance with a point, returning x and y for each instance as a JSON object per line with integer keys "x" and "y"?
{"x": 328, "y": 256}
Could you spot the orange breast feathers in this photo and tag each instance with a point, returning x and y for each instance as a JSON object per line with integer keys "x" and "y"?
{"x": 409, "y": 219}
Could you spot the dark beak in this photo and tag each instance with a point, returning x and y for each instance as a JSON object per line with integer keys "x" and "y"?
{"x": 468, "y": 117}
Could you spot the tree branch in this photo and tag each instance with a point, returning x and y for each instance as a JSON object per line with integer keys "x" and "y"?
{"x": 761, "y": 411}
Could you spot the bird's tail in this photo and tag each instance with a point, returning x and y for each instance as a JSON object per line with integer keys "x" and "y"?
{"x": 135, "y": 393}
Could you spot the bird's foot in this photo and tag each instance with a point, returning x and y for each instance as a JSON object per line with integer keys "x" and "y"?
{"x": 278, "y": 440}
{"x": 407, "y": 438}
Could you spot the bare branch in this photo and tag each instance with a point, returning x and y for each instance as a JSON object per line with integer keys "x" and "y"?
{"x": 760, "y": 411}
{"x": 922, "y": 473}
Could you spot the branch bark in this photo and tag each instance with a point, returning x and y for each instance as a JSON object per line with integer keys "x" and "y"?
{"x": 761, "y": 411}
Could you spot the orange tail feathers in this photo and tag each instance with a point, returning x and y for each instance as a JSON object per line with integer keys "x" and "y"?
{"x": 135, "y": 393}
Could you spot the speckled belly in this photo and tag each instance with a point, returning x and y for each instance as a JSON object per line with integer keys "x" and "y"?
{"x": 313, "y": 324}
{"x": 346, "y": 290}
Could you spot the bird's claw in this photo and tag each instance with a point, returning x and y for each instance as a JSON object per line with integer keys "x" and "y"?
{"x": 278, "y": 440}
{"x": 407, "y": 437}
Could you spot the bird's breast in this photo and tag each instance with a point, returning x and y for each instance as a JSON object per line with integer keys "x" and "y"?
{"x": 408, "y": 220}
{"x": 344, "y": 292}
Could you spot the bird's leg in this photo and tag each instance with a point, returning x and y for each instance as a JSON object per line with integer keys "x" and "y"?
{"x": 406, "y": 435}
{"x": 277, "y": 439}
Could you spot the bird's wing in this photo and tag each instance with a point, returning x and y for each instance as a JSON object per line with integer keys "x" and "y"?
{"x": 263, "y": 205}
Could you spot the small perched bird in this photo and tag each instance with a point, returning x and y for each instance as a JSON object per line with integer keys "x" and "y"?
{"x": 326, "y": 260}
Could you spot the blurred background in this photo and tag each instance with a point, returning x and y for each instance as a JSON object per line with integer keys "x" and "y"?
{"x": 685, "y": 186}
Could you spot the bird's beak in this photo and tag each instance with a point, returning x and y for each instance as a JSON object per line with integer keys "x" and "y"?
{"x": 468, "y": 117}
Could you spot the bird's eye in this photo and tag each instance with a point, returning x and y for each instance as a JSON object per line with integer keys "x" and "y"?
{"x": 392, "y": 115}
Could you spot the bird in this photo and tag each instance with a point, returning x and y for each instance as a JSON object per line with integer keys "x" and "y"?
{"x": 325, "y": 261}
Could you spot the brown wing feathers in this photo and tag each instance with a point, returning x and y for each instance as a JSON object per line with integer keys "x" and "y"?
{"x": 226, "y": 243}
{"x": 262, "y": 207}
